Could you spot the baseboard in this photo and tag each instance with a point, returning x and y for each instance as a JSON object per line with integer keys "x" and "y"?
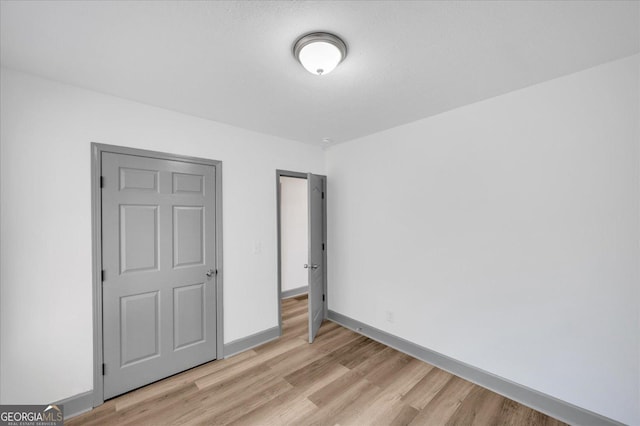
{"x": 246, "y": 343}
{"x": 294, "y": 292}
{"x": 83, "y": 402}
{"x": 77, "y": 404}
{"x": 539, "y": 401}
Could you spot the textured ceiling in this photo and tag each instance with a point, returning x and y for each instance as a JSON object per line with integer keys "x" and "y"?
{"x": 231, "y": 61}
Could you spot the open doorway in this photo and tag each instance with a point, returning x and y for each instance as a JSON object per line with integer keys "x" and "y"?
{"x": 293, "y": 236}
{"x": 291, "y": 230}
{"x": 291, "y": 227}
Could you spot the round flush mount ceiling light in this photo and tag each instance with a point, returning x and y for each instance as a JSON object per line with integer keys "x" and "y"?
{"x": 319, "y": 53}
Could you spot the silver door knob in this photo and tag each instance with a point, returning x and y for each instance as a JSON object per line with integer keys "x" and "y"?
{"x": 310, "y": 267}
{"x": 210, "y": 273}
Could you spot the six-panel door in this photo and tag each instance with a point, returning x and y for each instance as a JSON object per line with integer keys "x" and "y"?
{"x": 158, "y": 233}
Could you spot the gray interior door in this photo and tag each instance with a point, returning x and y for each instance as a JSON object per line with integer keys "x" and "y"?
{"x": 159, "y": 271}
{"x": 316, "y": 265}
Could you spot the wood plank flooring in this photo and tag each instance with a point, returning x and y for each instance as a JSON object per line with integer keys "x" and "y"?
{"x": 343, "y": 378}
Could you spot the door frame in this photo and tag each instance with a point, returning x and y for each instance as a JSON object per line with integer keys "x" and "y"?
{"x": 288, "y": 173}
{"x": 96, "y": 252}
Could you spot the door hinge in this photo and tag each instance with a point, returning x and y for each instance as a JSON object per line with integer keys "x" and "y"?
{"x": 322, "y": 246}
{"x": 323, "y": 195}
{"x": 323, "y": 297}
{"x": 104, "y": 368}
{"x": 102, "y": 275}
{"x": 101, "y": 181}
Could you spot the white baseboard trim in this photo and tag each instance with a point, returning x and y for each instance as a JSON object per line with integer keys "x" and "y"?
{"x": 249, "y": 342}
{"x": 539, "y": 401}
{"x": 294, "y": 292}
{"x": 77, "y": 404}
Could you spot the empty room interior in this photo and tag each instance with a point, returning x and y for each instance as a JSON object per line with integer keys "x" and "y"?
{"x": 320, "y": 212}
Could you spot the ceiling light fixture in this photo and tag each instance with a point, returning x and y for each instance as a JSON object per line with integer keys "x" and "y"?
{"x": 319, "y": 53}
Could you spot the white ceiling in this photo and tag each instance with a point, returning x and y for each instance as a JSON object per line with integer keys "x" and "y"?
{"x": 232, "y": 62}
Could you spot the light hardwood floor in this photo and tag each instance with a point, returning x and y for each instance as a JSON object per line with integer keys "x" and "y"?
{"x": 341, "y": 379}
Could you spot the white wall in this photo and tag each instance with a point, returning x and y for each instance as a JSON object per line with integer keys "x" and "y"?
{"x": 46, "y": 313}
{"x": 294, "y": 223}
{"x": 505, "y": 235}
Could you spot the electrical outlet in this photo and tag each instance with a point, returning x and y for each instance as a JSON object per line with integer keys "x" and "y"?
{"x": 390, "y": 317}
{"x": 257, "y": 247}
